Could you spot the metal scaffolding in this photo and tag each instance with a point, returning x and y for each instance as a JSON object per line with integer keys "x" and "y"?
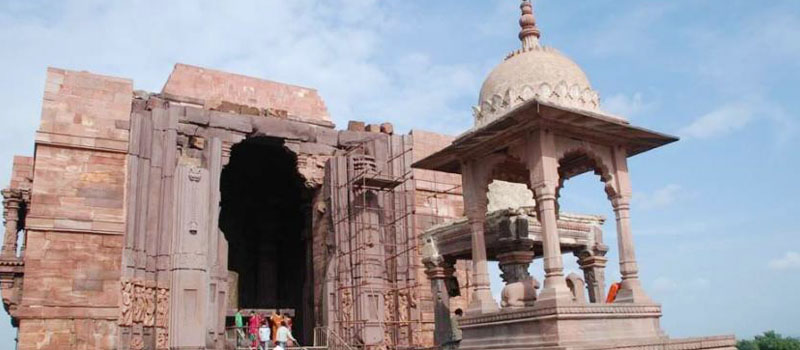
{"x": 378, "y": 212}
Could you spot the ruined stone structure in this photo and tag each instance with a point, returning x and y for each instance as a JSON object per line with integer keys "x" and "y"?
{"x": 144, "y": 220}
{"x": 538, "y": 124}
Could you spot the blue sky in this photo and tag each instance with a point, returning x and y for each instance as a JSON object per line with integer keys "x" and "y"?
{"x": 714, "y": 215}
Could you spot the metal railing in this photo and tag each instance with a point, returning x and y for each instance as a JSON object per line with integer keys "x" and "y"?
{"x": 326, "y": 338}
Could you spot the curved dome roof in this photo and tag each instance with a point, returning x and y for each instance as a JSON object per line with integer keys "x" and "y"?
{"x": 533, "y": 72}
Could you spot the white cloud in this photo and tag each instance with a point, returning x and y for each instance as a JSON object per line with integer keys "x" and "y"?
{"x": 721, "y": 121}
{"x": 731, "y": 117}
{"x": 628, "y": 106}
{"x": 660, "y": 198}
{"x": 343, "y": 48}
{"x": 789, "y": 261}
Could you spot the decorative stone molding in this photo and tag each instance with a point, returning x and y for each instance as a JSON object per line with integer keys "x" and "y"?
{"x": 126, "y": 304}
{"x": 577, "y": 310}
{"x": 562, "y": 93}
{"x": 142, "y": 303}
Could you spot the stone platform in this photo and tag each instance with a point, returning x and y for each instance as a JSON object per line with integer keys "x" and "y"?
{"x": 590, "y": 326}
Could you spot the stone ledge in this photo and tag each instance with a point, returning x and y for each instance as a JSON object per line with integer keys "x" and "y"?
{"x": 81, "y": 142}
{"x": 587, "y": 311}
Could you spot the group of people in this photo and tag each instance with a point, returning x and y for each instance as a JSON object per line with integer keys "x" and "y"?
{"x": 263, "y": 332}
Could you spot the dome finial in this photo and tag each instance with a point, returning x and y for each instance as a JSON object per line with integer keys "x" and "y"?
{"x": 529, "y": 34}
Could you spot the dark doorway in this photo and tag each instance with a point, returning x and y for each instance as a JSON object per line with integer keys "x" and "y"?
{"x": 265, "y": 215}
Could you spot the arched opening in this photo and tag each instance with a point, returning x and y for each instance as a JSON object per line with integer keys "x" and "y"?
{"x": 265, "y": 215}
{"x": 588, "y": 194}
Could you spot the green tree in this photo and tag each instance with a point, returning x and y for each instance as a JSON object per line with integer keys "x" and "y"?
{"x": 769, "y": 341}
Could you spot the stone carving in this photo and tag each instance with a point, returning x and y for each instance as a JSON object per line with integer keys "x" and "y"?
{"x": 138, "y": 302}
{"x": 195, "y": 174}
{"x": 520, "y": 289}
{"x": 137, "y": 343}
{"x": 149, "y": 306}
{"x": 162, "y": 339}
{"x": 126, "y": 301}
{"x": 562, "y": 94}
{"x": 162, "y": 307}
{"x": 389, "y": 315}
{"x": 347, "y": 309}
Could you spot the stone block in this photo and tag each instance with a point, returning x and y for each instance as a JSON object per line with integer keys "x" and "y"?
{"x": 196, "y": 116}
{"x": 387, "y": 128}
{"x": 327, "y": 136}
{"x": 284, "y": 129}
{"x": 349, "y": 138}
{"x": 355, "y": 125}
{"x": 373, "y": 128}
{"x": 202, "y": 84}
{"x": 315, "y": 149}
{"x": 230, "y": 122}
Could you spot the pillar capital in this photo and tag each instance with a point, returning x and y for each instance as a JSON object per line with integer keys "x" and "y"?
{"x": 438, "y": 268}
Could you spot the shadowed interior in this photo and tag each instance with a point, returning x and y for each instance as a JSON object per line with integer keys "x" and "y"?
{"x": 265, "y": 217}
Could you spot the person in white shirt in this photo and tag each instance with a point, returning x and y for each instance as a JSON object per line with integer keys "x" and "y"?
{"x": 283, "y": 335}
{"x": 264, "y": 334}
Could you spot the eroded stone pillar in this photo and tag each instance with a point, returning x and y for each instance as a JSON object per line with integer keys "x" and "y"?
{"x": 11, "y": 204}
{"x": 438, "y": 271}
{"x": 520, "y": 289}
{"x": 593, "y": 267}
{"x": 475, "y": 184}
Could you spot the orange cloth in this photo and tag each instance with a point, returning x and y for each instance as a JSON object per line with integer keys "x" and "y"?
{"x": 276, "y": 322}
{"x": 612, "y": 292}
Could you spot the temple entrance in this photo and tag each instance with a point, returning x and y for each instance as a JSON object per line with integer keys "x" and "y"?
{"x": 265, "y": 215}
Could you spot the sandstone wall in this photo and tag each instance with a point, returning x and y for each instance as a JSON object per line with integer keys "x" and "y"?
{"x": 213, "y": 89}
{"x": 77, "y": 215}
{"x": 438, "y": 199}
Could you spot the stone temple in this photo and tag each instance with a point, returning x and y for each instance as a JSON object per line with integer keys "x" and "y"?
{"x": 144, "y": 220}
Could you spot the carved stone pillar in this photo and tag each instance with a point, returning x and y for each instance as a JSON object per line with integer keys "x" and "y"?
{"x": 631, "y": 289}
{"x": 520, "y": 289}
{"x": 11, "y": 205}
{"x": 544, "y": 179}
{"x": 555, "y": 285}
{"x": 438, "y": 271}
{"x": 475, "y": 185}
{"x": 593, "y": 267}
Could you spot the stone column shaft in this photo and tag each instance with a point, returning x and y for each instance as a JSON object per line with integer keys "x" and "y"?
{"x": 544, "y": 178}
{"x": 594, "y": 274}
{"x": 475, "y": 186}
{"x": 555, "y": 285}
{"x": 631, "y": 290}
{"x": 438, "y": 272}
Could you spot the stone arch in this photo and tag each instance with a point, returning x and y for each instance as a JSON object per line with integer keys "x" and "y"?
{"x": 601, "y": 164}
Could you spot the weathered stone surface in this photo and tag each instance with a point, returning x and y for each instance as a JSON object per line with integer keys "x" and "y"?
{"x": 197, "y": 116}
{"x": 387, "y": 128}
{"x": 229, "y": 121}
{"x": 211, "y": 85}
{"x": 82, "y": 109}
{"x": 327, "y": 136}
{"x": 349, "y": 138}
{"x": 355, "y": 125}
{"x": 283, "y": 129}
{"x": 373, "y": 128}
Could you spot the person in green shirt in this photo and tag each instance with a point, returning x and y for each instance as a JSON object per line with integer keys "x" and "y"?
{"x": 455, "y": 329}
{"x": 239, "y": 327}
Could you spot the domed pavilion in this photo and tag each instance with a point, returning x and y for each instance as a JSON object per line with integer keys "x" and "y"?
{"x": 538, "y": 122}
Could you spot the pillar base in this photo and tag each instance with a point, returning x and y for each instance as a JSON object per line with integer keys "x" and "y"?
{"x": 482, "y": 303}
{"x": 631, "y": 292}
